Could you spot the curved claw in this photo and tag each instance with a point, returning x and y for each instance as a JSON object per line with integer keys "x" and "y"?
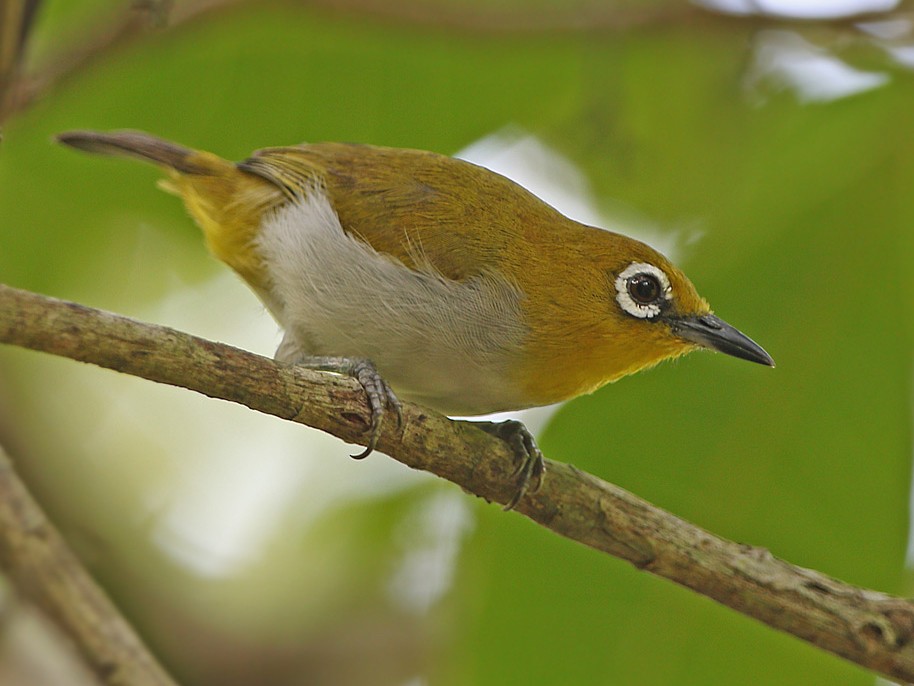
{"x": 379, "y": 396}
{"x": 531, "y": 467}
{"x": 369, "y": 449}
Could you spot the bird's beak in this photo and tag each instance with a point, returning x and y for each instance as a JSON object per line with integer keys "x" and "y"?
{"x": 713, "y": 332}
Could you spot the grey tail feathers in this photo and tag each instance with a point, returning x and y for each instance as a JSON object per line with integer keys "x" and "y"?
{"x": 139, "y": 145}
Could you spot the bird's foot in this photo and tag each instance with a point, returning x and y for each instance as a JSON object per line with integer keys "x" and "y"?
{"x": 531, "y": 467}
{"x": 380, "y": 396}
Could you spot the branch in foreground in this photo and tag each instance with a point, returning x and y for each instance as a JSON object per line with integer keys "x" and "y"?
{"x": 44, "y": 570}
{"x": 867, "y": 627}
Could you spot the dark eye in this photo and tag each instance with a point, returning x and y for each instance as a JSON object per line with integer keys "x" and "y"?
{"x": 643, "y": 288}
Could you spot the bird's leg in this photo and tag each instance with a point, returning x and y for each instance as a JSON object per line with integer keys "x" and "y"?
{"x": 531, "y": 466}
{"x": 380, "y": 396}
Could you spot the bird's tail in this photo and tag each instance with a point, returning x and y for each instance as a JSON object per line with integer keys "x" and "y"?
{"x": 227, "y": 202}
{"x": 144, "y": 146}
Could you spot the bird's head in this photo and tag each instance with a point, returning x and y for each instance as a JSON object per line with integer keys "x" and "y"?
{"x": 655, "y": 304}
{"x": 623, "y": 308}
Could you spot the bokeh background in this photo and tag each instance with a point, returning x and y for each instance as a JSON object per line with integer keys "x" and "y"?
{"x": 772, "y": 156}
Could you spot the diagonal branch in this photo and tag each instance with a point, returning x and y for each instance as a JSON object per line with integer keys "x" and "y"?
{"x": 45, "y": 571}
{"x": 867, "y": 627}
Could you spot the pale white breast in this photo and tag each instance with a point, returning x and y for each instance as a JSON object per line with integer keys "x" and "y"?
{"x": 441, "y": 343}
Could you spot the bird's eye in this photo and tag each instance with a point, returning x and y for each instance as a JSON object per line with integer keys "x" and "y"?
{"x": 643, "y": 288}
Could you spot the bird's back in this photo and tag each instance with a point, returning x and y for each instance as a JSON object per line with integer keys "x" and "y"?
{"x": 424, "y": 209}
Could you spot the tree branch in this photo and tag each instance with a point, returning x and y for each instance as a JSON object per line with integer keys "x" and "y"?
{"x": 43, "y": 569}
{"x": 867, "y": 627}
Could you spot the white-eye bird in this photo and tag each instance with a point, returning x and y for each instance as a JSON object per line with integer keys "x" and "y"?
{"x": 434, "y": 280}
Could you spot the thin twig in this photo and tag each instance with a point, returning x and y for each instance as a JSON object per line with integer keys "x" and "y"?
{"x": 129, "y": 23}
{"x": 867, "y": 627}
{"x": 16, "y": 20}
{"x": 101, "y": 38}
{"x": 44, "y": 570}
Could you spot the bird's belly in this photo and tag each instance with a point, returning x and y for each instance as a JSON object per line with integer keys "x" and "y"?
{"x": 447, "y": 385}
{"x": 449, "y": 345}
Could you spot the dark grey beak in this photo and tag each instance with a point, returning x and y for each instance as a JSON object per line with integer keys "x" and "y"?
{"x": 713, "y": 332}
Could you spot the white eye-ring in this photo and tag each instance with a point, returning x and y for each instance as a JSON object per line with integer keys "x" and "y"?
{"x": 641, "y": 288}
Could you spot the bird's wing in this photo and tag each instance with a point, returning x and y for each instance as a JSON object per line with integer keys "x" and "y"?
{"x": 427, "y": 210}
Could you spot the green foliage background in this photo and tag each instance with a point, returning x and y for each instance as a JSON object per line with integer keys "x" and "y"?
{"x": 807, "y": 241}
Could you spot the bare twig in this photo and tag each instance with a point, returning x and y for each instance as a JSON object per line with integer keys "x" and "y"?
{"x": 870, "y": 628}
{"x": 132, "y": 21}
{"x": 129, "y": 22}
{"x": 16, "y": 19}
{"x": 44, "y": 570}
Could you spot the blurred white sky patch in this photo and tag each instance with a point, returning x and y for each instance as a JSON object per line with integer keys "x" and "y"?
{"x": 430, "y": 538}
{"x": 893, "y": 36}
{"x": 890, "y": 29}
{"x": 784, "y": 60}
{"x": 788, "y": 61}
{"x": 225, "y": 503}
{"x": 902, "y": 54}
{"x": 800, "y": 9}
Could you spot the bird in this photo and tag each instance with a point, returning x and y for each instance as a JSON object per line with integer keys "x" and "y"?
{"x": 433, "y": 280}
